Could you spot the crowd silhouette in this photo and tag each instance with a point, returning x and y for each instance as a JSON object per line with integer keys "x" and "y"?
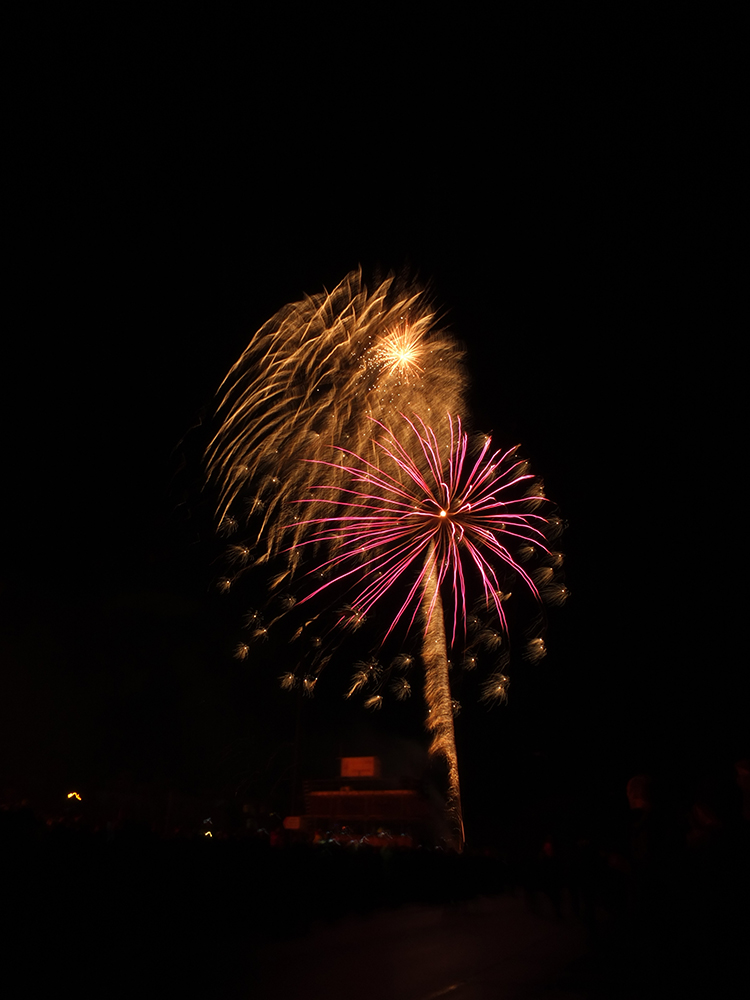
{"x": 662, "y": 887}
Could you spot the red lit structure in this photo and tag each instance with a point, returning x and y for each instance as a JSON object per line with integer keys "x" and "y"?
{"x": 366, "y": 803}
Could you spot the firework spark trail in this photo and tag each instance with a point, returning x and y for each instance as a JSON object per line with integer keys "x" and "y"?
{"x": 437, "y": 692}
{"x": 310, "y": 378}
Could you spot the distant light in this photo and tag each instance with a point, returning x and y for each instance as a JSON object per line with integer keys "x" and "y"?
{"x": 74, "y": 795}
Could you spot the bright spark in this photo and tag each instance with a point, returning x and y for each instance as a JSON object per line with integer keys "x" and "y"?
{"x": 400, "y": 352}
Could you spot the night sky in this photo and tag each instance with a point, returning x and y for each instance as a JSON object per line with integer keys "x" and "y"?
{"x": 571, "y": 191}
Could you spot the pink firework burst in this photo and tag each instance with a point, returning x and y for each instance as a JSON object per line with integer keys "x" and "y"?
{"x": 432, "y": 507}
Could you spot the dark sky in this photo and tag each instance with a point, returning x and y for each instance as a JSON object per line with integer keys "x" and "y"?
{"x": 570, "y": 188}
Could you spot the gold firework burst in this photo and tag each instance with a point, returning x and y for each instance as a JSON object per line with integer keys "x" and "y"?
{"x": 400, "y": 353}
{"x": 313, "y": 377}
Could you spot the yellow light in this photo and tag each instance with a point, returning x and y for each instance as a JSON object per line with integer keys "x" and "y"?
{"x": 400, "y": 352}
{"x": 74, "y": 795}
{"x": 443, "y": 513}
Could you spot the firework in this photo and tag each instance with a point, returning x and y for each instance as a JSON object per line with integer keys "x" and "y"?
{"x": 312, "y": 414}
{"x": 434, "y": 511}
{"x": 311, "y": 378}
